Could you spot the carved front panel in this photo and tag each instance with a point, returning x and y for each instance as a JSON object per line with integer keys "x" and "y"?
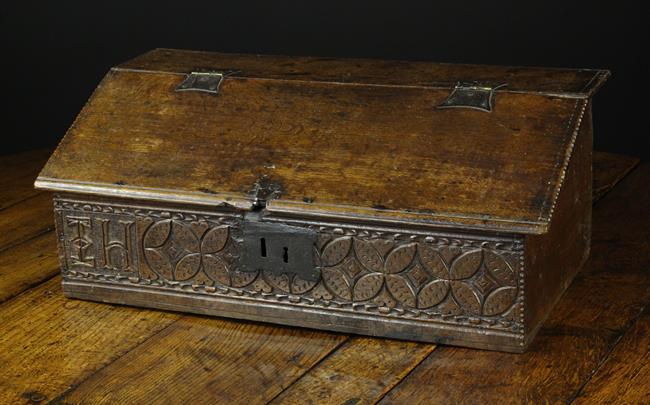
{"x": 422, "y": 277}
{"x": 414, "y": 273}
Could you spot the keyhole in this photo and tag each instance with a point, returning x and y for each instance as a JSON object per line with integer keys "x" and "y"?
{"x": 285, "y": 255}
{"x": 263, "y": 247}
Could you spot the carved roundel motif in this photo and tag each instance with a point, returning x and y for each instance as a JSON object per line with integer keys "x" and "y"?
{"x": 476, "y": 281}
{"x": 176, "y": 251}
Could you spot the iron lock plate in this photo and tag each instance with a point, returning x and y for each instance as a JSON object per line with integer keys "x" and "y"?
{"x": 280, "y": 249}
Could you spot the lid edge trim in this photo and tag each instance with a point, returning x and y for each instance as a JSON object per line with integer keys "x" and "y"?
{"x": 144, "y": 193}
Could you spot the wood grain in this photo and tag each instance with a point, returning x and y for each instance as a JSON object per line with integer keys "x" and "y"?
{"x": 16, "y": 190}
{"x": 625, "y": 376}
{"x": 27, "y": 264}
{"x": 208, "y": 361}
{"x": 24, "y": 216}
{"x": 19, "y": 172}
{"x": 23, "y": 221}
{"x": 365, "y": 151}
{"x": 601, "y": 304}
{"x": 49, "y": 343}
{"x": 360, "y": 372}
{"x": 609, "y": 169}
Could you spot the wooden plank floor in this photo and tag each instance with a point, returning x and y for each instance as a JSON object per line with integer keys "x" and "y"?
{"x": 592, "y": 349}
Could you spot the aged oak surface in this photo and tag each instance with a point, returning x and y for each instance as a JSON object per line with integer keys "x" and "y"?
{"x": 625, "y": 375}
{"x": 309, "y": 162}
{"x": 49, "y": 342}
{"x": 20, "y": 222}
{"x": 215, "y": 355}
{"x": 593, "y": 348}
{"x": 18, "y": 172}
{"x": 336, "y": 156}
{"x": 37, "y": 260}
{"x": 363, "y": 369}
{"x": 413, "y": 213}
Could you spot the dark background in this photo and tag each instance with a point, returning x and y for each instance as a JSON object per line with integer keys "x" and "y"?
{"x": 55, "y": 53}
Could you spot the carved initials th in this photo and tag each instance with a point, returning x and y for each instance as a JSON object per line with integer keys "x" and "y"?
{"x": 116, "y": 253}
{"x": 81, "y": 243}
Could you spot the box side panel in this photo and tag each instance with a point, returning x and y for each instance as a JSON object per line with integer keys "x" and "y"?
{"x": 448, "y": 287}
{"x": 554, "y": 258}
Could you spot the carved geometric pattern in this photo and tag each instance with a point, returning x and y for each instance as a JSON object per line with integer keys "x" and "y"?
{"x": 423, "y": 277}
{"x": 420, "y": 275}
{"x": 177, "y": 251}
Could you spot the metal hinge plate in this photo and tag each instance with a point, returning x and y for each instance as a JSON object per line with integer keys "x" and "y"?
{"x": 207, "y": 82}
{"x": 473, "y": 95}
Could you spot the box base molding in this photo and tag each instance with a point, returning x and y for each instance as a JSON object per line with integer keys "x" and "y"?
{"x": 429, "y": 332}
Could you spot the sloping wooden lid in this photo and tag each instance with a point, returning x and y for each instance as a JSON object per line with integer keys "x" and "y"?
{"x": 346, "y": 139}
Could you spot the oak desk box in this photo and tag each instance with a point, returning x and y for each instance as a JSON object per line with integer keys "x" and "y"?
{"x": 432, "y": 202}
